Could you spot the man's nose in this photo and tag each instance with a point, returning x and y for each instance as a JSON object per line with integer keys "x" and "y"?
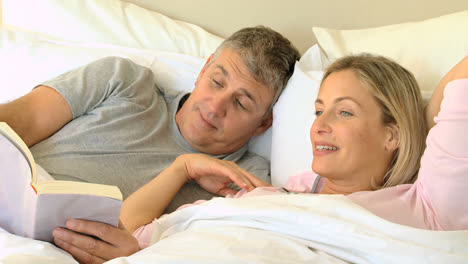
{"x": 219, "y": 104}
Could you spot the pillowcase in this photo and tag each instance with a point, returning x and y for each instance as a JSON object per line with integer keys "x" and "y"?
{"x": 294, "y": 113}
{"x": 108, "y": 21}
{"x": 429, "y": 48}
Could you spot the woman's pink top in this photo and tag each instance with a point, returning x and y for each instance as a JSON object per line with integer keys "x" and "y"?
{"x": 438, "y": 200}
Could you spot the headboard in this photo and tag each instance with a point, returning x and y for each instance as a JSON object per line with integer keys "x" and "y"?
{"x": 295, "y": 19}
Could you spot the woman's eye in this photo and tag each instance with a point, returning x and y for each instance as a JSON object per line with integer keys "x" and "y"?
{"x": 318, "y": 112}
{"x": 345, "y": 113}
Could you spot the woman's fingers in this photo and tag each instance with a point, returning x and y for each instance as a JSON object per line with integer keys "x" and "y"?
{"x": 214, "y": 174}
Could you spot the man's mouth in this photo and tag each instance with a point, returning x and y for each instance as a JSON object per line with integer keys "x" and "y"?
{"x": 207, "y": 121}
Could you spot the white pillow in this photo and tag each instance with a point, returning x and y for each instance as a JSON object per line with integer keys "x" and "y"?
{"x": 294, "y": 113}
{"x": 27, "y": 60}
{"x": 108, "y": 21}
{"x": 428, "y": 48}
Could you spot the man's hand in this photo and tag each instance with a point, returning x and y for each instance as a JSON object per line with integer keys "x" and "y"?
{"x": 215, "y": 175}
{"x": 94, "y": 242}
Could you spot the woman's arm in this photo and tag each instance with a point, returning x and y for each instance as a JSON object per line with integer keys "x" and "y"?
{"x": 150, "y": 201}
{"x": 459, "y": 71}
{"x": 442, "y": 181}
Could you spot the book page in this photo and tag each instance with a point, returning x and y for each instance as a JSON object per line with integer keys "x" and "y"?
{"x": 16, "y": 140}
{"x": 43, "y": 175}
{"x": 84, "y": 188}
{"x": 66, "y": 206}
{"x": 15, "y": 178}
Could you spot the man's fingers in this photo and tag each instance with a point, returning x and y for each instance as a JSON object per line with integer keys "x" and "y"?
{"x": 103, "y": 231}
{"x": 119, "y": 241}
{"x": 85, "y": 246}
{"x": 79, "y": 254}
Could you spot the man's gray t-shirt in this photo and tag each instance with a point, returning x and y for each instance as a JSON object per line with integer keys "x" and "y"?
{"x": 123, "y": 131}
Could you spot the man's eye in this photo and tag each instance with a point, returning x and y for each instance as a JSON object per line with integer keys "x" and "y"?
{"x": 238, "y": 102}
{"x": 216, "y": 83}
{"x": 318, "y": 112}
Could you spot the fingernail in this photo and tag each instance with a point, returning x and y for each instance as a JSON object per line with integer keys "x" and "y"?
{"x": 71, "y": 223}
{"x": 57, "y": 232}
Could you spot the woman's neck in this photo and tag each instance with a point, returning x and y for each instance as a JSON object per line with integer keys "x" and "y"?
{"x": 341, "y": 187}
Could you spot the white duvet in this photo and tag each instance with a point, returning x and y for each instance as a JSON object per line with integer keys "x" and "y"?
{"x": 286, "y": 228}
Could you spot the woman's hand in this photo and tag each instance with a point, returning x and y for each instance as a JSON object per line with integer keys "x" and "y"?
{"x": 215, "y": 175}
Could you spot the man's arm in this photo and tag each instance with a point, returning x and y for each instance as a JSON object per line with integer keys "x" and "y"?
{"x": 36, "y": 115}
{"x": 459, "y": 71}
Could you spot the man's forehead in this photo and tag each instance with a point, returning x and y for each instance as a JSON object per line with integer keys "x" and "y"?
{"x": 222, "y": 69}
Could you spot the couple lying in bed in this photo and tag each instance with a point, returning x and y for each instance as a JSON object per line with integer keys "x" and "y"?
{"x": 368, "y": 142}
{"x": 368, "y": 139}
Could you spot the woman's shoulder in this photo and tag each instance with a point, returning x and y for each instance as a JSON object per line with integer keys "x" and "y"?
{"x": 302, "y": 182}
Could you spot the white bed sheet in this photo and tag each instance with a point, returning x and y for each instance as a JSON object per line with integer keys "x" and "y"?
{"x": 284, "y": 228}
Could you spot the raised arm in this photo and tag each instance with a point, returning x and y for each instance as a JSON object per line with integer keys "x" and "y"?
{"x": 150, "y": 201}
{"x": 442, "y": 181}
{"x": 459, "y": 71}
{"x": 36, "y": 115}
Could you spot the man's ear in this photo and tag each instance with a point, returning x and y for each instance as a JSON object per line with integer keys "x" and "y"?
{"x": 392, "y": 142}
{"x": 203, "y": 69}
{"x": 264, "y": 125}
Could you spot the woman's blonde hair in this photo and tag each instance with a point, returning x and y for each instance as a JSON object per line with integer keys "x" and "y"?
{"x": 398, "y": 95}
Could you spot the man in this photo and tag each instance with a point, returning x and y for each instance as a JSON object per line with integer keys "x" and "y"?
{"x": 108, "y": 123}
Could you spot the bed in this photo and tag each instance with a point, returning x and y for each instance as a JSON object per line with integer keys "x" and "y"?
{"x": 44, "y": 38}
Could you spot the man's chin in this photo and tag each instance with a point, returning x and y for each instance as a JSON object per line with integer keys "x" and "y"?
{"x": 211, "y": 148}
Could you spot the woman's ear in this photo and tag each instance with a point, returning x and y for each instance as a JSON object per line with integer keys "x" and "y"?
{"x": 392, "y": 142}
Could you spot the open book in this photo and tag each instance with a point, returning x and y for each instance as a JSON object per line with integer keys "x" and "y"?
{"x": 32, "y": 203}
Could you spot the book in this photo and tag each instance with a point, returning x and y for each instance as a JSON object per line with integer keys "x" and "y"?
{"x": 32, "y": 203}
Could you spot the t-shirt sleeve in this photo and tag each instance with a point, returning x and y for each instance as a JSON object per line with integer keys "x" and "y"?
{"x": 89, "y": 86}
{"x": 443, "y": 177}
{"x": 144, "y": 234}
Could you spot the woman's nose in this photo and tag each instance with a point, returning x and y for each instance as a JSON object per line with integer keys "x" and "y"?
{"x": 321, "y": 124}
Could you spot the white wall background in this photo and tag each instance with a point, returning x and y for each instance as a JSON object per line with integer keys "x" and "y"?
{"x": 295, "y": 18}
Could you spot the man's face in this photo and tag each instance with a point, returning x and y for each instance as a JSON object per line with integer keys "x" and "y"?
{"x": 226, "y": 107}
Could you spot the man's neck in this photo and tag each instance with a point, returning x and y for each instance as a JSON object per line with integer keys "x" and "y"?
{"x": 182, "y": 101}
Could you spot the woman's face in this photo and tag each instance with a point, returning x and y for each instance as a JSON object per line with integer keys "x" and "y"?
{"x": 349, "y": 140}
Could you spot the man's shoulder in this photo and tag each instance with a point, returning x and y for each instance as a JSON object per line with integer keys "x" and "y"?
{"x": 255, "y": 164}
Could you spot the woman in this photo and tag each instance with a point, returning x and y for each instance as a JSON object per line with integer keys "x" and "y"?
{"x": 367, "y": 139}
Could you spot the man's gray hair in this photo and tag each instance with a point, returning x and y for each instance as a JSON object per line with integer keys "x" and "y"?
{"x": 269, "y": 56}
